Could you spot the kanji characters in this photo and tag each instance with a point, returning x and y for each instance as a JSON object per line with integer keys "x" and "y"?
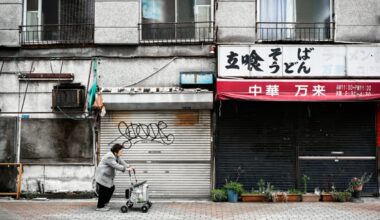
{"x": 301, "y": 90}
{"x": 319, "y": 90}
{"x": 272, "y": 90}
{"x": 232, "y": 61}
{"x": 252, "y": 61}
{"x": 255, "y": 90}
{"x": 255, "y": 61}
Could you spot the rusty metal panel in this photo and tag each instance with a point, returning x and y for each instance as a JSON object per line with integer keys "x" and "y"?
{"x": 56, "y": 141}
{"x": 172, "y": 150}
{"x": 8, "y": 140}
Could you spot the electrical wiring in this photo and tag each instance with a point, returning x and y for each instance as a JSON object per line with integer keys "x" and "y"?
{"x": 163, "y": 67}
{"x": 26, "y": 89}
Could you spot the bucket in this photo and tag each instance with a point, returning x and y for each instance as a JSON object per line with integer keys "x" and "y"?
{"x": 232, "y": 196}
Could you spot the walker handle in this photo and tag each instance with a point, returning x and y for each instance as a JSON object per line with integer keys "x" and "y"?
{"x": 134, "y": 174}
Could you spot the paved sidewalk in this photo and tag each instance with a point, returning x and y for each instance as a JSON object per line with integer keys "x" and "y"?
{"x": 202, "y": 210}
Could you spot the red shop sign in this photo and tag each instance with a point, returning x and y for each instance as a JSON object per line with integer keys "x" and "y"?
{"x": 298, "y": 90}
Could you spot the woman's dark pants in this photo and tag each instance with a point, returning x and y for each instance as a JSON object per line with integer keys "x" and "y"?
{"x": 105, "y": 194}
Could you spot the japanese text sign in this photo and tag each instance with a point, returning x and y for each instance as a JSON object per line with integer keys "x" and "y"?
{"x": 297, "y": 61}
{"x": 298, "y": 90}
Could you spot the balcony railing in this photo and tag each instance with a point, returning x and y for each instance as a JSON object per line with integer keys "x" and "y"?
{"x": 67, "y": 34}
{"x": 295, "y": 32}
{"x": 177, "y": 33}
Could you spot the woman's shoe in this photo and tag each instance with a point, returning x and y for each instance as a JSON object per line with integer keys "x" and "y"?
{"x": 104, "y": 209}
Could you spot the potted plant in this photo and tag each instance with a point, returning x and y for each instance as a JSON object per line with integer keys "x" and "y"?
{"x": 341, "y": 196}
{"x": 234, "y": 189}
{"x": 328, "y": 196}
{"x": 279, "y": 196}
{"x": 219, "y": 195}
{"x": 255, "y": 195}
{"x": 356, "y": 184}
{"x": 294, "y": 195}
{"x": 308, "y": 197}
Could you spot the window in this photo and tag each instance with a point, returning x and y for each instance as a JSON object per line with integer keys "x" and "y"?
{"x": 295, "y": 20}
{"x": 57, "y": 21}
{"x": 176, "y": 20}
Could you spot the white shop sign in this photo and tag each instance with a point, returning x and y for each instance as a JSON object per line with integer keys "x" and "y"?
{"x": 297, "y": 61}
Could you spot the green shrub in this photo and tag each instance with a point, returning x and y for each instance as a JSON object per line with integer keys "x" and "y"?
{"x": 219, "y": 195}
{"x": 261, "y": 185}
{"x": 305, "y": 179}
{"x": 341, "y": 196}
{"x": 294, "y": 191}
{"x": 234, "y": 186}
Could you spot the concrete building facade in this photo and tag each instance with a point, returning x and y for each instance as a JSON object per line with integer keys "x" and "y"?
{"x": 155, "y": 63}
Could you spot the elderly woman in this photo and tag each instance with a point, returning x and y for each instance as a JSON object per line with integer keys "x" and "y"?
{"x": 105, "y": 174}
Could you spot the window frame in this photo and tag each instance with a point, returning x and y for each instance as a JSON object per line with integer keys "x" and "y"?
{"x": 258, "y": 19}
{"x": 39, "y": 14}
{"x": 212, "y": 8}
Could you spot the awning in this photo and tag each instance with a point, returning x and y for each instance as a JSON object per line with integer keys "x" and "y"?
{"x": 298, "y": 90}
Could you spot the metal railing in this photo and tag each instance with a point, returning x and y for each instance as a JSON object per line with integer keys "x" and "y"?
{"x": 177, "y": 33}
{"x": 295, "y": 32}
{"x": 61, "y": 34}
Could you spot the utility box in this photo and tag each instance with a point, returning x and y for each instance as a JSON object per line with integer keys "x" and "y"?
{"x": 70, "y": 96}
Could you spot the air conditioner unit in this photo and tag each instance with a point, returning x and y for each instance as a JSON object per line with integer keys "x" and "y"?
{"x": 70, "y": 96}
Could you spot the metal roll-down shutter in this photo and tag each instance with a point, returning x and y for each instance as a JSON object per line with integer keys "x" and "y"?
{"x": 181, "y": 169}
{"x": 280, "y": 142}
{"x": 257, "y": 137}
{"x": 337, "y": 141}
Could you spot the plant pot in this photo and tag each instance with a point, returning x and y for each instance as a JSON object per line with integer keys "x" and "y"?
{"x": 279, "y": 198}
{"x": 358, "y": 188}
{"x": 232, "y": 196}
{"x": 310, "y": 197}
{"x": 253, "y": 198}
{"x": 294, "y": 198}
{"x": 356, "y": 194}
{"x": 327, "y": 197}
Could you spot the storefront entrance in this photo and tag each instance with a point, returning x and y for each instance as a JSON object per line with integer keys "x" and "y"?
{"x": 331, "y": 142}
{"x": 171, "y": 149}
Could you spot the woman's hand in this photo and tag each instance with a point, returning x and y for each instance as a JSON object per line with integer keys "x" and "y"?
{"x": 130, "y": 168}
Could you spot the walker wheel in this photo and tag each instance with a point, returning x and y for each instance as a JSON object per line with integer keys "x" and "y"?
{"x": 144, "y": 208}
{"x": 149, "y": 204}
{"x": 124, "y": 209}
{"x": 129, "y": 204}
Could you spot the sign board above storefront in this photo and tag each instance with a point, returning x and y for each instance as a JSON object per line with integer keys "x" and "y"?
{"x": 298, "y": 90}
{"x": 306, "y": 61}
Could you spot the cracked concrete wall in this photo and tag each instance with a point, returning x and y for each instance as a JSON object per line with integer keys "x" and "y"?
{"x": 357, "y": 21}
{"x": 11, "y": 18}
{"x": 39, "y": 93}
{"x": 154, "y": 72}
{"x": 236, "y": 21}
{"x": 58, "y": 178}
{"x": 116, "y": 22}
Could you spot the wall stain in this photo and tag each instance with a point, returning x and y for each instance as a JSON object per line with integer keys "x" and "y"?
{"x": 187, "y": 118}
